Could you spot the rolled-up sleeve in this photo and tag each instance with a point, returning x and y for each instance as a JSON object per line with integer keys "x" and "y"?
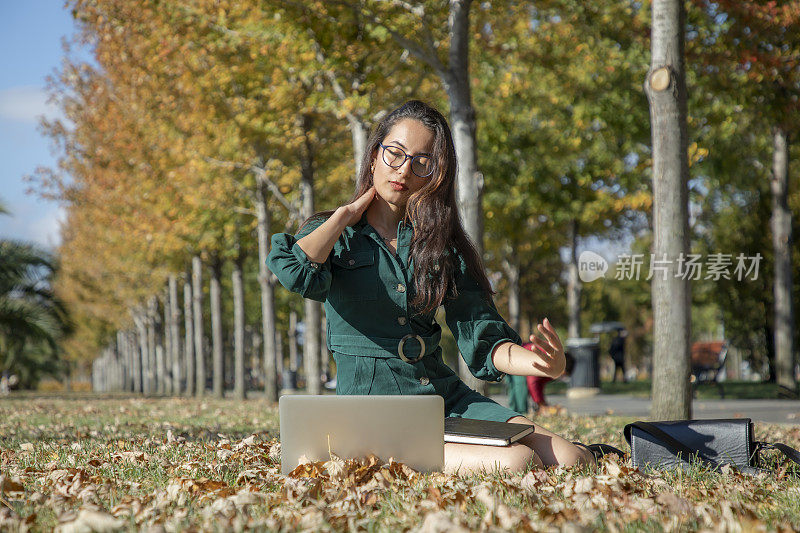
{"x": 477, "y": 326}
{"x": 294, "y": 270}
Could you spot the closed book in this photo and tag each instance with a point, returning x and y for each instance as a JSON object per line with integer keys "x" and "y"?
{"x": 471, "y": 431}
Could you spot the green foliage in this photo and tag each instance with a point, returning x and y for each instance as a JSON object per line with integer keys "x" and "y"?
{"x": 741, "y": 74}
{"x": 32, "y": 318}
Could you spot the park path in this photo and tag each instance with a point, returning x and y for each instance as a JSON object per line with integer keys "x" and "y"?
{"x": 772, "y": 411}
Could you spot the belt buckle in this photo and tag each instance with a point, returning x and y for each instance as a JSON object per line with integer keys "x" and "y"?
{"x": 403, "y": 355}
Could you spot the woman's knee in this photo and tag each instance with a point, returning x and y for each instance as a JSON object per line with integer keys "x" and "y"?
{"x": 519, "y": 458}
{"x": 553, "y": 449}
{"x": 464, "y": 459}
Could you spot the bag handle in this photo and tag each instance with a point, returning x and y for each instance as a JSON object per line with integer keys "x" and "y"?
{"x": 600, "y": 449}
{"x": 790, "y": 453}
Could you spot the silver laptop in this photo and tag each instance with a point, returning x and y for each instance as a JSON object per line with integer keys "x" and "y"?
{"x": 409, "y": 429}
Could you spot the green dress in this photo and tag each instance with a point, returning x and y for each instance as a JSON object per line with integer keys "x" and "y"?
{"x": 517, "y": 389}
{"x": 367, "y": 290}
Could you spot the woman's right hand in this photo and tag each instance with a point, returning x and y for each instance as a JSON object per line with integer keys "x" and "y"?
{"x": 355, "y": 210}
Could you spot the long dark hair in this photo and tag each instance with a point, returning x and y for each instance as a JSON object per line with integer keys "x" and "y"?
{"x": 431, "y": 211}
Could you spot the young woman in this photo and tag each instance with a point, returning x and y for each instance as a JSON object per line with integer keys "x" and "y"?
{"x": 386, "y": 261}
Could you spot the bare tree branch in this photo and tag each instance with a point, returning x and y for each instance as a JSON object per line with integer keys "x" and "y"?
{"x": 428, "y": 55}
{"x": 244, "y": 211}
{"x": 260, "y": 174}
{"x": 419, "y": 12}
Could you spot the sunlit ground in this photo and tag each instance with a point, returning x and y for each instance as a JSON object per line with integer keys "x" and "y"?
{"x": 80, "y": 462}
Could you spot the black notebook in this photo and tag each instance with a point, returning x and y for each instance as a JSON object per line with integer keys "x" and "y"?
{"x": 471, "y": 431}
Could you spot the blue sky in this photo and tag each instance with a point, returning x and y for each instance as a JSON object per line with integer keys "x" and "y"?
{"x": 30, "y": 49}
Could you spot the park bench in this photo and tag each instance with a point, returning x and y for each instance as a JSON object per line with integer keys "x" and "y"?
{"x": 708, "y": 363}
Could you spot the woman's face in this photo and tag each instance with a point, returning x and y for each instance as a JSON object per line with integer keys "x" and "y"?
{"x": 396, "y": 185}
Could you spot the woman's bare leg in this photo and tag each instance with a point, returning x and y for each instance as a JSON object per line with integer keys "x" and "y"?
{"x": 550, "y": 448}
{"x": 473, "y": 458}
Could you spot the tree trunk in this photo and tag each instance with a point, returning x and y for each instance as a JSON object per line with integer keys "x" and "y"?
{"x": 167, "y": 338}
{"x": 122, "y": 354}
{"x": 312, "y": 314}
{"x": 311, "y": 347}
{"x": 278, "y": 354}
{"x": 769, "y": 346}
{"x": 188, "y": 343}
{"x": 161, "y": 378}
{"x": 120, "y": 358}
{"x": 104, "y": 371}
{"x": 782, "y": 245}
{"x": 130, "y": 360}
{"x": 666, "y": 91}
{"x": 238, "y": 328}
{"x": 127, "y": 339}
{"x": 359, "y": 132}
{"x": 462, "y": 121}
{"x": 216, "y": 330}
{"x": 511, "y": 268}
{"x": 197, "y": 312}
{"x": 161, "y": 363}
{"x": 137, "y": 357}
{"x": 469, "y": 186}
{"x": 270, "y": 356}
{"x": 118, "y": 365}
{"x": 573, "y": 285}
{"x": 97, "y": 385}
{"x": 175, "y": 335}
{"x": 124, "y": 368}
{"x": 140, "y": 319}
{"x": 293, "y": 363}
{"x": 67, "y": 377}
{"x": 156, "y": 382}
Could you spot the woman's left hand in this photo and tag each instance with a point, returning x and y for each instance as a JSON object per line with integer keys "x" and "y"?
{"x": 550, "y": 350}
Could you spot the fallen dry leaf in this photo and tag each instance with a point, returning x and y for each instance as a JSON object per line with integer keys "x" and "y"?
{"x": 674, "y": 502}
{"x": 91, "y": 521}
{"x": 440, "y": 522}
{"x": 8, "y": 485}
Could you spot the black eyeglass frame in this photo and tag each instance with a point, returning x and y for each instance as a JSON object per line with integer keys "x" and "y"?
{"x": 406, "y": 157}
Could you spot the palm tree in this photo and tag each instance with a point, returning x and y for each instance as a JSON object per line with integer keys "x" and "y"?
{"x": 32, "y": 319}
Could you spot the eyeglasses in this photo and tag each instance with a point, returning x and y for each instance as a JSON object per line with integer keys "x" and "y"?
{"x": 395, "y": 157}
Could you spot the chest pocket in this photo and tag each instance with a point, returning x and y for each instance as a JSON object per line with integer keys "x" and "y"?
{"x": 354, "y": 276}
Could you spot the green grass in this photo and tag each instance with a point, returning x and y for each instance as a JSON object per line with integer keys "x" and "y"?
{"x": 181, "y": 464}
{"x": 733, "y": 390}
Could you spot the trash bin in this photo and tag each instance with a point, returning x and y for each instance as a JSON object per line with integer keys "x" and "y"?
{"x": 585, "y": 378}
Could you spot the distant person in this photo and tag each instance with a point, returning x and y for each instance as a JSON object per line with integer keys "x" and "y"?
{"x": 536, "y": 385}
{"x": 617, "y": 352}
{"x": 517, "y": 393}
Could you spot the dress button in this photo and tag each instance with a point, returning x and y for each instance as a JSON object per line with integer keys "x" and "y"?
{"x": 424, "y": 380}
{"x": 401, "y": 287}
{"x": 351, "y": 262}
{"x": 401, "y": 320}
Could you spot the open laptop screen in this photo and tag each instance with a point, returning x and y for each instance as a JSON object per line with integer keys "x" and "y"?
{"x": 409, "y": 429}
